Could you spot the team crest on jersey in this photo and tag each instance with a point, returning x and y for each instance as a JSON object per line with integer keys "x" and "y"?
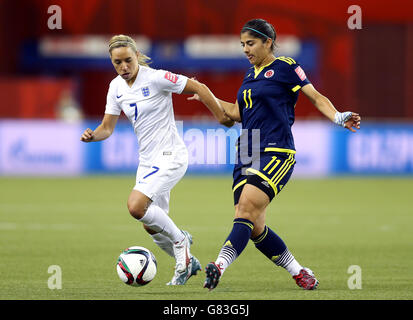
{"x": 146, "y": 92}
{"x": 269, "y": 73}
{"x": 171, "y": 77}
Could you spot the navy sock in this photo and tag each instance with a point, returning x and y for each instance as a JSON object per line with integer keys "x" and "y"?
{"x": 270, "y": 244}
{"x": 236, "y": 242}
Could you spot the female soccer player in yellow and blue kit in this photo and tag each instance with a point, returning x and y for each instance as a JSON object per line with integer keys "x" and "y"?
{"x": 266, "y": 152}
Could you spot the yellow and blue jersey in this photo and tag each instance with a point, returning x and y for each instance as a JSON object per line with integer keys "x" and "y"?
{"x": 266, "y": 101}
{"x": 265, "y": 149}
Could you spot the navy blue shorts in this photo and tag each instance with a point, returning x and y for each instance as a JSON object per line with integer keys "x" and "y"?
{"x": 270, "y": 173}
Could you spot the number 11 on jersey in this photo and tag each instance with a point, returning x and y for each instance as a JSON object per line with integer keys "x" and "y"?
{"x": 136, "y": 109}
{"x": 247, "y": 104}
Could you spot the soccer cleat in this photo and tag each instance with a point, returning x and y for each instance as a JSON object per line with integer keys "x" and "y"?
{"x": 188, "y": 235}
{"x": 306, "y": 279}
{"x": 182, "y": 254}
{"x": 213, "y": 273}
{"x": 182, "y": 278}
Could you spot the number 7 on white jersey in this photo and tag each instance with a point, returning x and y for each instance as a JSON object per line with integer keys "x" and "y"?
{"x": 136, "y": 109}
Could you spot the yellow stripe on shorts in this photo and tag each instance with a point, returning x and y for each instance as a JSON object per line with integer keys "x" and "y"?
{"x": 279, "y": 150}
{"x": 264, "y": 177}
{"x": 289, "y": 163}
{"x": 281, "y": 170}
{"x": 239, "y": 185}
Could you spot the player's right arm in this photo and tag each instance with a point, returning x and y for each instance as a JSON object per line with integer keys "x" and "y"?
{"x": 103, "y": 131}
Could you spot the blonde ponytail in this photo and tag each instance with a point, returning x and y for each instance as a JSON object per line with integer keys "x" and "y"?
{"x": 121, "y": 40}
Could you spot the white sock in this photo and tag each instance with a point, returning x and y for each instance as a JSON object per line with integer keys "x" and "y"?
{"x": 164, "y": 243}
{"x": 288, "y": 262}
{"x": 293, "y": 267}
{"x": 157, "y": 220}
{"x": 222, "y": 264}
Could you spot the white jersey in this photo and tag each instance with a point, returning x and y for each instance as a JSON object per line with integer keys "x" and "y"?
{"x": 148, "y": 106}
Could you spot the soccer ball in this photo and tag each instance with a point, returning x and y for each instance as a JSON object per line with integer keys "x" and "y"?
{"x": 136, "y": 266}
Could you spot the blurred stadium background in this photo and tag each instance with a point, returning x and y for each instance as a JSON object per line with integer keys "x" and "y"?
{"x": 53, "y": 81}
{"x": 53, "y": 85}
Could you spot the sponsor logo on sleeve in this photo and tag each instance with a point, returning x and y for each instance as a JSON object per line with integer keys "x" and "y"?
{"x": 300, "y": 72}
{"x": 171, "y": 77}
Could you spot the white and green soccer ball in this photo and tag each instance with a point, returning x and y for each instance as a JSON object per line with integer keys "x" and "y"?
{"x": 136, "y": 266}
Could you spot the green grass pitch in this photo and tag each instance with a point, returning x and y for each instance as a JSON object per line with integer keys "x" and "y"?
{"x": 82, "y": 225}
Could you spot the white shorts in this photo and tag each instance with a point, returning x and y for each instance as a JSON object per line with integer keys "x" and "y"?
{"x": 157, "y": 179}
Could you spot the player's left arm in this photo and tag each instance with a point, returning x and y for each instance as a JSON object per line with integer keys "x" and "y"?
{"x": 348, "y": 119}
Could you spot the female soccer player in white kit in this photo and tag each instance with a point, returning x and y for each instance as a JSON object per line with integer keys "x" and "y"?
{"x": 145, "y": 96}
